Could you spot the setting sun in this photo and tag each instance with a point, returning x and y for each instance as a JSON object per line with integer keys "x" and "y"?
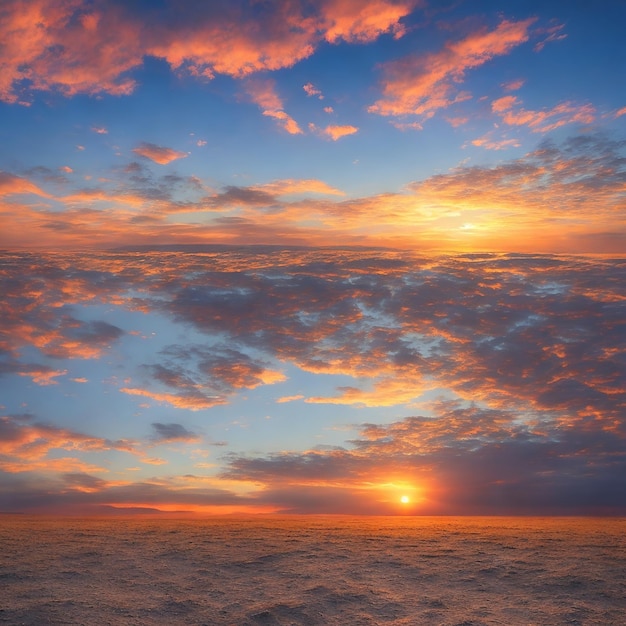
{"x": 405, "y": 499}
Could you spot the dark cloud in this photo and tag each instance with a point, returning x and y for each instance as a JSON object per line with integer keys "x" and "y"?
{"x": 472, "y": 460}
{"x": 165, "y": 433}
{"x": 78, "y": 492}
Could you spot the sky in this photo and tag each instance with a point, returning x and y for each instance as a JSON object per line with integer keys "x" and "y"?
{"x": 324, "y": 256}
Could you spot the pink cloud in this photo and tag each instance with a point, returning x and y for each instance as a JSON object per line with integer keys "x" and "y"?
{"x": 421, "y": 85}
{"x": 337, "y": 132}
{"x": 158, "y": 154}
{"x": 554, "y": 33}
{"x": 311, "y": 90}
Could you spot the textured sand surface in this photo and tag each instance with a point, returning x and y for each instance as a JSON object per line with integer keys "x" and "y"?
{"x": 331, "y": 570}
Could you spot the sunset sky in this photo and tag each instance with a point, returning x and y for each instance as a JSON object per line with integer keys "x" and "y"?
{"x": 313, "y": 256}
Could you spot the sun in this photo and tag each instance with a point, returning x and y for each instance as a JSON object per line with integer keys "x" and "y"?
{"x": 405, "y": 499}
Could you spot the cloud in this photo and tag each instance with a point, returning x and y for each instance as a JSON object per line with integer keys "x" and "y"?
{"x": 98, "y": 46}
{"x": 79, "y": 492}
{"x": 99, "y": 130}
{"x": 464, "y": 460}
{"x": 263, "y": 93}
{"x": 552, "y": 33}
{"x": 487, "y": 141}
{"x": 10, "y": 185}
{"x": 354, "y": 21}
{"x": 284, "y": 399}
{"x": 337, "y": 132}
{"x": 508, "y": 107}
{"x": 165, "y": 433}
{"x": 422, "y": 85}
{"x": 291, "y": 186}
{"x": 509, "y": 204}
{"x": 25, "y": 445}
{"x": 158, "y": 154}
{"x": 524, "y": 350}
{"x": 93, "y": 49}
{"x": 193, "y": 400}
{"x": 513, "y": 85}
{"x": 40, "y": 374}
{"x": 311, "y": 90}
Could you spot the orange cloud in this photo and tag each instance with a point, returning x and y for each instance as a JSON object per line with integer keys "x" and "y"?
{"x": 92, "y": 50}
{"x": 423, "y": 85}
{"x": 356, "y": 21}
{"x": 25, "y": 445}
{"x": 188, "y": 400}
{"x": 43, "y": 376}
{"x": 10, "y": 185}
{"x": 337, "y": 132}
{"x": 287, "y": 122}
{"x": 97, "y": 46}
{"x": 298, "y": 186}
{"x": 263, "y": 93}
{"x": 158, "y": 154}
{"x": 542, "y": 121}
{"x": 284, "y": 399}
{"x": 487, "y": 141}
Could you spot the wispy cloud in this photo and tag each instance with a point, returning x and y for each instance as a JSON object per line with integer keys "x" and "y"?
{"x": 490, "y": 143}
{"x": 512, "y": 113}
{"x": 422, "y": 85}
{"x": 263, "y": 93}
{"x": 311, "y": 90}
{"x": 25, "y": 445}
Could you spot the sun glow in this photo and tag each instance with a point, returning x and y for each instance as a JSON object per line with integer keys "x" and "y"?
{"x": 405, "y": 499}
